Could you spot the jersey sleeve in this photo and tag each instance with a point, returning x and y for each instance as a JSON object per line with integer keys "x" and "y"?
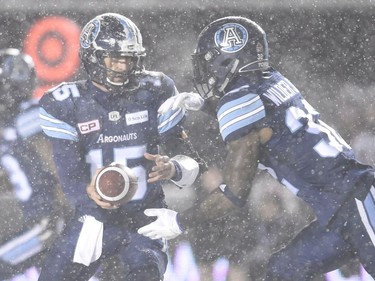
{"x": 171, "y": 121}
{"x": 56, "y": 112}
{"x": 238, "y": 113}
{"x": 170, "y": 126}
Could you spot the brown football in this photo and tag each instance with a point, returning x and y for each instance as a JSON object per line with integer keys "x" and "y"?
{"x": 116, "y": 183}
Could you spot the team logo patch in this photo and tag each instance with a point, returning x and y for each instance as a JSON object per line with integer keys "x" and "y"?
{"x": 137, "y": 117}
{"x": 89, "y": 126}
{"x": 114, "y": 116}
{"x": 89, "y": 33}
{"x": 231, "y": 37}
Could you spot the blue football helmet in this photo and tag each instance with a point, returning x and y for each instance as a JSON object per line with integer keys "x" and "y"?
{"x": 17, "y": 80}
{"x": 115, "y": 36}
{"x": 226, "y": 48}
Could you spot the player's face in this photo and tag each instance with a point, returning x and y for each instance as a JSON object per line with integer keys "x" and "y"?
{"x": 118, "y": 66}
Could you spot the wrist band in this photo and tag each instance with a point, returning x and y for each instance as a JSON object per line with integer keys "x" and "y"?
{"x": 224, "y": 188}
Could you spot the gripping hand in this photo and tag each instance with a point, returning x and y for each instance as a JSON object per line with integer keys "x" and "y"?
{"x": 165, "y": 226}
{"x": 189, "y": 101}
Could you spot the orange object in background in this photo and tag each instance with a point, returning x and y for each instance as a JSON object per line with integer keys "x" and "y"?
{"x": 53, "y": 43}
{"x": 41, "y": 89}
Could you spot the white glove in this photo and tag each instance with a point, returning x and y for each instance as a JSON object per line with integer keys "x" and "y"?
{"x": 189, "y": 101}
{"x": 165, "y": 226}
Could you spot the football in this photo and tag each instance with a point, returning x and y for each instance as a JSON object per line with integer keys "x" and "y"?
{"x": 116, "y": 183}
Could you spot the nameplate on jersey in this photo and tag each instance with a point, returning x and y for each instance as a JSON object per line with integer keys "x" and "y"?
{"x": 281, "y": 92}
{"x": 136, "y": 117}
{"x": 89, "y": 126}
{"x": 114, "y": 116}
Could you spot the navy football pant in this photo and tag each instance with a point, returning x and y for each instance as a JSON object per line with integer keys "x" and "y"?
{"x": 143, "y": 259}
{"x": 317, "y": 249}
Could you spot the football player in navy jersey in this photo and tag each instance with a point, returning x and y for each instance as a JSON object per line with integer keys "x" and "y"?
{"x": 113, "y": 117}
{"x": 266, "y": 123}
{"x": 32, "y": 209}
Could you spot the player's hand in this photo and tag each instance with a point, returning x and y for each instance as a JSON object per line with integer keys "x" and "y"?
{"x": 165, "y": 226}
{"x": 189, "y": 101}
{"x": 93, "y": 195}
{"x": 163, "y": 169}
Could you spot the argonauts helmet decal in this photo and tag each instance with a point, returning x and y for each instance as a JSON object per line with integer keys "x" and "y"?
{"x": 231, "y": 37}
{"x": 227, "y": 48}
{"x": 89, "y": 33}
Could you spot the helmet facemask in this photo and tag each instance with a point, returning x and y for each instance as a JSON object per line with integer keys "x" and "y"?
{"x": 118, "y": 80}
{"x": 212, "y": 72}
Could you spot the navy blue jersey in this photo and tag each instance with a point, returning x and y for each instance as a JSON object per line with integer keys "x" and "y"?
{"x": 304, "y": 154}
{"x": 90, "y": 128}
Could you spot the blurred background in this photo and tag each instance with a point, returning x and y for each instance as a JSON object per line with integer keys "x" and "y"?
{"x": 326, "y": 48}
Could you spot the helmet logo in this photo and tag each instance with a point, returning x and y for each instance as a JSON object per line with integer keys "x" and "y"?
{"x": 89, "y": 33}
{"x": 231, "y": 37}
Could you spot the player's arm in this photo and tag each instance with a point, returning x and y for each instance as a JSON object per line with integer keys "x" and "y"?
{"x": 182, "y": 164}
{"x": 239, "y": 170}
{"x": 93, "y": 195}
{"x": 56, "y": 120}
{"x": 178, "y": 159}
{"x": 71, "y": 169}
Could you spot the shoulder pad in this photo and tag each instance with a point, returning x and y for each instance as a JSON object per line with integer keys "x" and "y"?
{"x": 63, "y": 91}
{"x": 151, "y": 80}
{"x": 238, "y": 112}
{"x": 67, "y": 90}
{"x": 158, "y": 84}
{"x": 57, "y": 110}
{"x": 156, "y": 80}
